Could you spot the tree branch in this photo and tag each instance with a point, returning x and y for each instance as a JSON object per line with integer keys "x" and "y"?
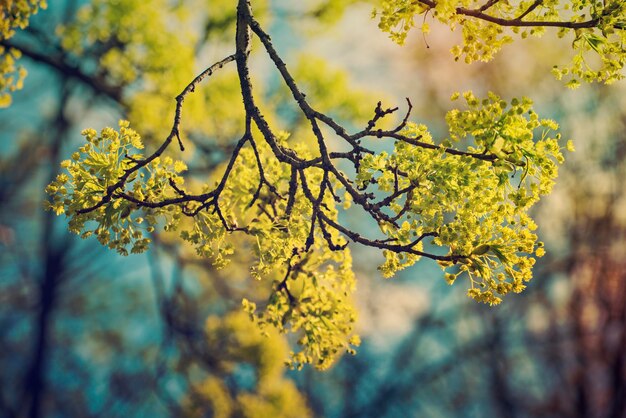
{"x": 480, "y": 14}
{"x": 60, "y": 63}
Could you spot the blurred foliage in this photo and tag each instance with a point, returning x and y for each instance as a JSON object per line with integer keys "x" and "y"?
{"x": 14, "y": 14}
{"x": 243, "y": 345}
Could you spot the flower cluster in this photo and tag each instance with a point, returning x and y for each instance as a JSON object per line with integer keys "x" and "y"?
{"x": 598, "y": 30}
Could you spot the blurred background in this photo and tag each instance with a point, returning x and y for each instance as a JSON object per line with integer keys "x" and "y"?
{"x": 87, "y": 333}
